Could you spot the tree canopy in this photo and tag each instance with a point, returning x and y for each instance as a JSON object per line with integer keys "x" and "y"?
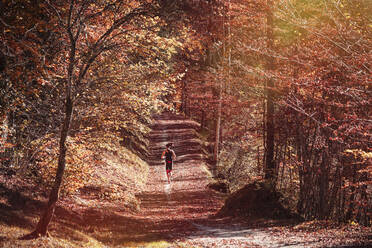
{"x": 281, "y": 89}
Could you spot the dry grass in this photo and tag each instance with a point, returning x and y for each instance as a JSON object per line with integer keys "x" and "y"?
{"x": 89, "y": 218}
{"x": 10, "y": 234}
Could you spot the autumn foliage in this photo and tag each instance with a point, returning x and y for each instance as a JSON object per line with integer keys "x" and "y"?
{"x": 320, "y": 68}
{"x": 283, "y": 84}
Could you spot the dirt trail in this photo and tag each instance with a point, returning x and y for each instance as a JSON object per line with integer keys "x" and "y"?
{"x": 174, "y": 207}
{"x": 182, "y": 212}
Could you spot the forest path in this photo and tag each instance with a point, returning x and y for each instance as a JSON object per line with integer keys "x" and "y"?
{"x": 173, "y": 207}
{"x": 182, "y": 212}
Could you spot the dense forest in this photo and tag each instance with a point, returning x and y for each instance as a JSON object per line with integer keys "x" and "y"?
{"x": 281, "y": 90}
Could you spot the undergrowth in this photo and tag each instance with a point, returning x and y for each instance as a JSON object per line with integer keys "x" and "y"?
{"x": 100, "y": 174}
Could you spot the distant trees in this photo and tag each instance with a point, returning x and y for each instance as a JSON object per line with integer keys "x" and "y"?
{"x": 201, "y": 88}
{"x": 28, "y": 48}
{"x": 306, "y": 61}
{"x": 326, "y": 108}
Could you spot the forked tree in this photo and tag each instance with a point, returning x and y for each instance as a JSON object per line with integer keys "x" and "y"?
{"x": 90, "y": 29}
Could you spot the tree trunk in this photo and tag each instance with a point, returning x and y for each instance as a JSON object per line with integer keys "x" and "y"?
{"x": 270, "y": 132}
{"x": 183, "y": 98}
{"x": 323, "y": 187}
{"x": 218, "y": 126}
{"x": 2, "y": 56}
{"x": 2, "y": 62}
{"x": 349, "y": 213}
{"x": 219, "y": 108}
{"x": 42, "y": 226}
{"x": 336, "y": 187}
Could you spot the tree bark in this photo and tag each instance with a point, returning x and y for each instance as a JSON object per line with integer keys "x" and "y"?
{"x": 270, "y": 132}
{"x": 183, "y": 97}
{"x": 75, "y": 76}
{"x": 350, "y": 210}
{"x": 218, "y": 126}
{"x": 42, "y": 226}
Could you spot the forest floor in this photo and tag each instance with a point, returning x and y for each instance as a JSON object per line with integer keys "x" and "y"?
{"x": 179, "y": 214}
{"x": 182, "y": 213}
{"x": 176, "y": 214}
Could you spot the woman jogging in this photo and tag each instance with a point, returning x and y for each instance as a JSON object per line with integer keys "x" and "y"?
{"x": 169, "y": 156}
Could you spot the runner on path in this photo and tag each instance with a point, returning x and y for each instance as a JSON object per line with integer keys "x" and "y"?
{"x": 169, "y": 156}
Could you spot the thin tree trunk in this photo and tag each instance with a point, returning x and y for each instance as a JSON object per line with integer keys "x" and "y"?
{"x": 42, "y": 226}
{"x": 218, "y": 126}
{"x": 336, "y": 186}
{"x": 219, "y": 108}
{"x": 301, "y": 171}
{"x": 258, "y": 160}
{"x": 323, "y": 188}
{"x": 183, "y": 97}
{"x": 350, "y": 210}
{"x": 270, "y": 132}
